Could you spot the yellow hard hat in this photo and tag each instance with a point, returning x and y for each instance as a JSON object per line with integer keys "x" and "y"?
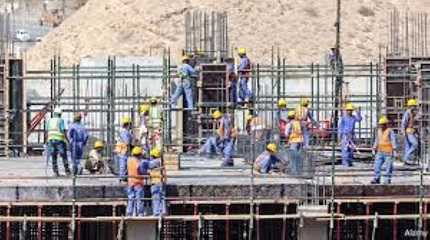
{"x": 241, "y": 51}
{"x": 248, "y": 117}
{"x": 349, "y": 106}
{"x": 412, "y": 103}
{"x": 185, "y": 58}
{"x": 98, "y": 144}
{"x": 272, "y": 147}
{"x": 155, "y": 152}
{"x": 383, "y": 120}
{"x": 282, "y": 103}
{"x": 217, "y": 114}
{"x": 125, "y": 120}
{"x": 136, "y": 151}
{"x": 291, "y": 113}
{"x": 153, "y": 100}
{"x": 304, "y": 101}
{"x": 143, "y": 108}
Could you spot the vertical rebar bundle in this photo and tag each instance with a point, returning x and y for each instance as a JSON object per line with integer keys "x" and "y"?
{"x": 408, "y": 34}
{"x": 206, "y": 33}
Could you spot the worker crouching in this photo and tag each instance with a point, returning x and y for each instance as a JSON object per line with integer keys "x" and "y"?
{"x": 223, "y": 140}
{"x": 385, "y": 147}
{"x": 95, "y": 162}
{"x": 135, "y": 190}
{"x": 267, "y": 160}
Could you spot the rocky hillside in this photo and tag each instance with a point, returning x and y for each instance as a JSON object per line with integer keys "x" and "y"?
{"x": 302, "y": 29}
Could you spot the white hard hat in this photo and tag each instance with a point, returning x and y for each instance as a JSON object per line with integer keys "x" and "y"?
{"x": 58, "y": 110}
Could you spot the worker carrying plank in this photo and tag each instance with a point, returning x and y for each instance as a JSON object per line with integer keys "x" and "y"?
{"x": 346, "y": 133}
{"x": 386, "y": 151}
{"x": 410, "y": 133}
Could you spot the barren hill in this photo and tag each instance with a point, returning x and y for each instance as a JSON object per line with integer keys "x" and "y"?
{"x": 302, "y": 29}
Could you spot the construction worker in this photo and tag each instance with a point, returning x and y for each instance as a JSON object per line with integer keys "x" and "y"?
{"x": 244, "y": 69}
{"x": 295, "y": 138}
{"x": 123, "y": 145}
{"x": 346, "y": 133}
{"x": 157, "y": 178}
{"x": 304, "y": 114}
{"x": 267, "y": 160}
{"x": 282, "y": 116}
{"x": 154, "y": 123}
{"x": 385, "y": 148}
{"x": 255, "y": 125}
{"x": 333, "y": 56}
{"x": 143, "y": 128}
{"x": 95, "y": 162}
{"x": 232, "y": 80}
{"x": 410, "y": 133}
{"x": 78, "y": 138}
{"x": 223, "y": 140}
{"x": 184, "y": 86}
{"x": 57, "y": 141}
{"x": 135, "y": 190}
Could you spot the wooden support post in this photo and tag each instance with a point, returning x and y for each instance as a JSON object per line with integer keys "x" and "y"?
{"x": 338, "y": 226}
{"x": 78, "y": 224}
{"x": 114, "y": 226}
{"x": 395, "y": 222}
{"x": 39, "y": 223}
{"x": 366, "y": 232}
{"x": 8, "y": 223}
{"x": 227, "y": 222}
{"x": 257, "y": 210}
{"x": 284, "y": 222}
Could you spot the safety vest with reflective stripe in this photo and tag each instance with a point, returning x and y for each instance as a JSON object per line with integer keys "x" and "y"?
{"x": 296, "y": 134}
{"x": 384, "y": 141}
{"x": 134, "y": 178}
{"x": 54, "y": 131}
{"x": 154, "y": 120}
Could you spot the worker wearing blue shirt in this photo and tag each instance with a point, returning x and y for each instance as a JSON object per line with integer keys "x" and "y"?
{"x": 245, "y": 94}
{"x": 186, "y": 73}
{"x": 410, "y": 133}
{"x": 346, "y": 133}
{"x": 78, "y": 138}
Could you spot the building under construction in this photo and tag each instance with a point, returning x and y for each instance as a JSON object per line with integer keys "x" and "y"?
{"x": 204, "y": 200}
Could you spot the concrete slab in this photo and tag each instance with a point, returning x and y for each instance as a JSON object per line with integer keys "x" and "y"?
{"x": 29, "y": 179}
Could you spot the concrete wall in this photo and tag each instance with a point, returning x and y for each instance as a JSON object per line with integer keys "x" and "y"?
{"x": 141, "y": 230}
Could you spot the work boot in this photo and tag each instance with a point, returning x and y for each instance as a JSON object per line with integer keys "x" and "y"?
{"x": 68, "y": 173}
{"x": 56, "y": 173}
{"x": 388, "y": 181}
{"x": 229, "y": 163}
{"x": 375, "y": 181}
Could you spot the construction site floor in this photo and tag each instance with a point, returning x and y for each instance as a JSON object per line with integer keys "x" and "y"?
{"x": 29, "y": 179}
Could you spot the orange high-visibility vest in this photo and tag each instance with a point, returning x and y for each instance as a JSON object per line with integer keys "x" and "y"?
{"x": 384, "y": 142}
{"x": 132, "y": 167}
{"x": 296, "y": 135}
